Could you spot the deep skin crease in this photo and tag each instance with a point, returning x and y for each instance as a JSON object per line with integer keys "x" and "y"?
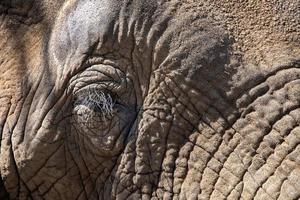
{"x": 105, "y": 99}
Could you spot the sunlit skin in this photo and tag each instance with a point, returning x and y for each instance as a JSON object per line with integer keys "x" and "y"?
{"x": 106, "y": 99}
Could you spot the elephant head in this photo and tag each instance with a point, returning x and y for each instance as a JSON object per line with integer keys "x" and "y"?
{"x": 132, "y": 99}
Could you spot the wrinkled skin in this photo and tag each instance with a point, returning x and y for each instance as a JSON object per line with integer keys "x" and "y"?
{"x": 106, "y": 99}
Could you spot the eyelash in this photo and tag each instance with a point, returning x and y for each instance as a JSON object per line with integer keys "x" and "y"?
{"x": 98, "y": 100}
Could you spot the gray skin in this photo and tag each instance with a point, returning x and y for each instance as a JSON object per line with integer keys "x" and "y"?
{"x": 107, "y": 99}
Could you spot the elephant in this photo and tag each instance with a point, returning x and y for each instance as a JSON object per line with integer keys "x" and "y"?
{"x": 158, "y": 99}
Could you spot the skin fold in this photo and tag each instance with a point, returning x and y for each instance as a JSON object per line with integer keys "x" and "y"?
{"x": 107, "y": 99}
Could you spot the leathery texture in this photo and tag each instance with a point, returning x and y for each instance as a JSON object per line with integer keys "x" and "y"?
{"x": 148, "y": 100}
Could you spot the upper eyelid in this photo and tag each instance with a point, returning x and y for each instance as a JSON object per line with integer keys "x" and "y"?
{"x": 101, "y": 87}
{"x": 83, "y": 76}
{"x": 111, "y": 71}
{"x": 98, "y": 74}
{"x": 108, "y": 75}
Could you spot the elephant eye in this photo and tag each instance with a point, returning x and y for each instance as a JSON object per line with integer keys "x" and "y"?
{"x": 95, "y": 103}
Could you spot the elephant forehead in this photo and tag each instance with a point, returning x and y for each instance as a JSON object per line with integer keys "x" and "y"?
{"x": 79, "y": 26}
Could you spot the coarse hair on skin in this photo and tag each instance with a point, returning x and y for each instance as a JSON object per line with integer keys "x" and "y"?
{"x": 96, "y": 102}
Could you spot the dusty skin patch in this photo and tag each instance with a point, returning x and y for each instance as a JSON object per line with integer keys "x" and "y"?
{"x": 149, "y": 99}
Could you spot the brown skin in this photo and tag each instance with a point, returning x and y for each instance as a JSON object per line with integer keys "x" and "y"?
{"x": 206, "y": 100}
